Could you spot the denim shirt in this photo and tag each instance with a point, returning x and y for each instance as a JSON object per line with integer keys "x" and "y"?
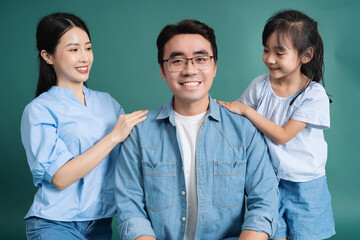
{"x": 232, "y": 161}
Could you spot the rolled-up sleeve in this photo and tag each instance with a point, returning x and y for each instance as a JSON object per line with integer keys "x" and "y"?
{"x": 261, "y": 188}
{"x": 45, "y": 151}
{"x": 129, "y": 194}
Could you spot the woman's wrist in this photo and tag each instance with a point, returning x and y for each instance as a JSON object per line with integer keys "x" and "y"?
{"x": 114, "y": 138}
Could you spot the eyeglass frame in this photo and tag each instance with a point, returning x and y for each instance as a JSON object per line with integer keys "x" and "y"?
{"x": 187, "y": 60}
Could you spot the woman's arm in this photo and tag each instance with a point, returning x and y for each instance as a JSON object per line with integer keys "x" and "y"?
{"x": 252, "y": 235}
{"x": 145, "y": 238}
{"x": 278, "y": 134}
{"x": 81, "y": 165}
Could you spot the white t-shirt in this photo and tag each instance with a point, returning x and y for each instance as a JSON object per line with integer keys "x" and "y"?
{"x": 188, "y": 128}
{"x": 303, "y": 158}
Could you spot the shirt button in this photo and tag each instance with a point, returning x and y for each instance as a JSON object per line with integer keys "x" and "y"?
{"x": 183, "y": 192}
{"x": 183, "y": 219}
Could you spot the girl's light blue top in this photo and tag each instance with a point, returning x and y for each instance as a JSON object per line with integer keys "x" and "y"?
{"x": 57, "y": 127}
{"x": 303, "y": 158}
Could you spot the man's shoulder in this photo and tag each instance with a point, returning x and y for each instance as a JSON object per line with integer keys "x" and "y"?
{"x": 151, "y": 119}
{"x": 154, "y": 113}
{"x": 236, "y": 128}
{"x": 235, "y": 121}
{"x": 153, "y": 124}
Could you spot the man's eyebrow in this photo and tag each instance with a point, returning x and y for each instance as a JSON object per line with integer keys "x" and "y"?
{"x": 176, "y": 54}
{"x": 204, "y": 52}
{"x": 200, "y": 52}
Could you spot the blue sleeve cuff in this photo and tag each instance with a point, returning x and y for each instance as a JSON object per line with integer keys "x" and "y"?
{"x": 60, "y": 161}
{"x": 260, "y": 221}
{"x": 134, "y": 228}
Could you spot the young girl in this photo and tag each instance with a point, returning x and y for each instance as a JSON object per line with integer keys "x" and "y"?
{"x": 71, "y": 135}
{"x": 292, "y": 109}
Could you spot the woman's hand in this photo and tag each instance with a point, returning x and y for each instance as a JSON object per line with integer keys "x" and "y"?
{"x": 125, "y": 124}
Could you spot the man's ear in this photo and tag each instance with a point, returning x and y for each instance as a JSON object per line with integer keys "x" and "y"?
{"x": 307, "y": 55}
{"x": 47, "y": 57}
{"x": 162, "y": 72}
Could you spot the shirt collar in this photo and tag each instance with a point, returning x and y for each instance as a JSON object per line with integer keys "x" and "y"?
{"x": 167, "y": 111}
{"x": 65, "y": 91}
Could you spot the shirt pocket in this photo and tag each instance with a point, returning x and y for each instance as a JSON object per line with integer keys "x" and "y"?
{"x": 159, "y": 184}
{"x": 229, "y": 183}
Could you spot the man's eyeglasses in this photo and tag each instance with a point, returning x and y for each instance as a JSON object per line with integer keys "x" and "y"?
{"x": 199, "y": 62}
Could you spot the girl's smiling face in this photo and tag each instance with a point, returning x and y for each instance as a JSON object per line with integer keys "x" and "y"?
{"x": 281, "y": 58}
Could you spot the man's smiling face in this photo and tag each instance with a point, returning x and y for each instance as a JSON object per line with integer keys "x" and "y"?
{"x": 190, "y": 85}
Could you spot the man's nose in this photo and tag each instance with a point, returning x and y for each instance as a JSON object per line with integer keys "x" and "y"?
{"x": 189, "y": 67}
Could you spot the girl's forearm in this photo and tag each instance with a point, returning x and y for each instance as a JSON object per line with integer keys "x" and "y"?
{"x": 276, "y": 133}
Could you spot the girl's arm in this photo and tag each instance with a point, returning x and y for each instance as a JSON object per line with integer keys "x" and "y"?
{"x": 278, "y": 134}
{"x": 81, "y": 165}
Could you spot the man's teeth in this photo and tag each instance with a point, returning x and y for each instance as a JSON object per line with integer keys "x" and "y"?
{"x": 190, "y": 84}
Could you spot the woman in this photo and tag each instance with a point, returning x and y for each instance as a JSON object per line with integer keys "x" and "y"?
{"x": 71, "y": 135}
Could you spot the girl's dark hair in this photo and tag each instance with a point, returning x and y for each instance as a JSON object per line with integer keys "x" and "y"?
{"x": 49, "y": 31}
{"x": 302, "y": 31}
{"x": 186, "y": 26}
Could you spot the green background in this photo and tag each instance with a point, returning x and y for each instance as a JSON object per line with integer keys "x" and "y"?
{"x": 124, "y": 35}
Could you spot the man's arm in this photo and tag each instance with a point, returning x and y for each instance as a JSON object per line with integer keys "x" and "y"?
{"x": 261, "y": 189}
{"x": 129, "y": 194}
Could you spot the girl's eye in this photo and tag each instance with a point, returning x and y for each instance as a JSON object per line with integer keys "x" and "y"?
{"x": 73, "y": 50}
{"x": 266, "y": 51}
{"x": 89, "y": 48}
{"x": 279, "y": 54}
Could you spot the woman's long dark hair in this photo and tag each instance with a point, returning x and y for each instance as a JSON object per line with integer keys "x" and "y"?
{"x": 49, "y": 31}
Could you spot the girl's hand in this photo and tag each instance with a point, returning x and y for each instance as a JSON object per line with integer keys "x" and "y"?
{"x": 125, "y": 124}
{"x": 235, "y": 107}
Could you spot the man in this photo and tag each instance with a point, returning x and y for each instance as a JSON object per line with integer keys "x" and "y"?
{"x": 184, "y": 172}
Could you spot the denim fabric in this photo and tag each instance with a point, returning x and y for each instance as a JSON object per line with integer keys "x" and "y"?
{"x": 305, "y": 210}
{"x": 231, "y": 160}
{"x": 40, "y": 229}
